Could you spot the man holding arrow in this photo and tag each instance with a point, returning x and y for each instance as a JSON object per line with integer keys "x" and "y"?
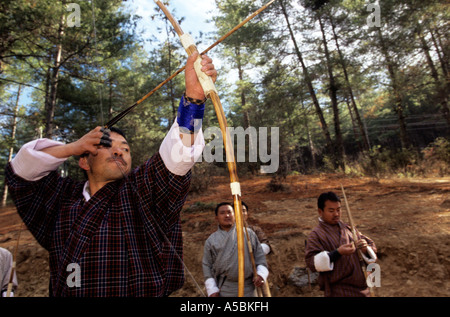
{"x": 331, "y": 250}
{"x": 119, "y": 233}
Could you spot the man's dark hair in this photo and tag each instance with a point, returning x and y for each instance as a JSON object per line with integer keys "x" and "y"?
{"x": 244, "y": 204}
{"x": 118, "y": 131}
{"x": 326, "y": 196}
{"x": 223, "y": 204}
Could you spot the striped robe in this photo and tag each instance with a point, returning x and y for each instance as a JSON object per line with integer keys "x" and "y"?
{"x": 346, "y": 278}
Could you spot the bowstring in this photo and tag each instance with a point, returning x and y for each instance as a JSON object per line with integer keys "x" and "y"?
{"x": 158, "y": 227}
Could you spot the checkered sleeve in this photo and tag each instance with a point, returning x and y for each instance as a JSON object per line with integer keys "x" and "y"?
{"x": 38, "y": 202}
{"x": 162, "y": 192}
{"x": 161, "y": 196}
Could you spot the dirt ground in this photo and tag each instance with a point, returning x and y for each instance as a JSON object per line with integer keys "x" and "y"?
{"x": 409, "y": 220}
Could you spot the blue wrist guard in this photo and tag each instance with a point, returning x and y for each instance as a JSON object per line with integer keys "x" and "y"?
{"x": 190, "y": 116}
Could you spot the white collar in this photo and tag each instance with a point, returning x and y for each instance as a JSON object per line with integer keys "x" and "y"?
{"x": 86, "y": 194}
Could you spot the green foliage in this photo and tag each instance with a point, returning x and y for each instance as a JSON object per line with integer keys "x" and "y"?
{"x": 434, "y": 160}
{"x": 381, "y": 162}
{"x": 436, "y": 156}
{"x": 201, "y": 177}
{"x": 438, "y": 150}
{"x": 277, "y": 184}
{"x": 201, "y": 207}
{"x": 398, "y": 75}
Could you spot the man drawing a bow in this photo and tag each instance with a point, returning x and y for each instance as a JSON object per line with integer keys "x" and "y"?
{"x": 121, "y": 228}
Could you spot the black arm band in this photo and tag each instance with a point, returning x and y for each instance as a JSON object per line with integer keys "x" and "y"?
{"x": 334, "y": 255}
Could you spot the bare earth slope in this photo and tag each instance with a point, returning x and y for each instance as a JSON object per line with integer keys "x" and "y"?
{"x": 409, "y": 220}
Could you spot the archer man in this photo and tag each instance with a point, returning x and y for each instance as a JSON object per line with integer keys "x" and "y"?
{"x": 119, "y": 233}
{"x": 330, "y": 250}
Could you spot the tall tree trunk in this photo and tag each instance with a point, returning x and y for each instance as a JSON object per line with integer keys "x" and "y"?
{"x": 251, "y": 146}
{"x": 13, "y": 137}
{"x": 445, "y": 54}
{"x": 440, "y": 88}
{"x": 312, "y": 149}
{"x": 50, "y": 103}
{"x": 365, "y": 137}
{"x": 426, "y": 52}
{"x": 439, "y": 54}
{"x": 309, "y": 84}
{"x": 398, "y": 100}
{"x": 334, "y": 103}
{"x": 444, "y": 60}
{"x": 354, "y": 125}
{"x": 241, "y": 78}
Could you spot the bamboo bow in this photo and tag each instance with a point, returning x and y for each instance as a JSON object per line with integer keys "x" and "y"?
{"x": 211, "y": 92}
{"x": 355, "y": 238}
{"x": 122, "y": 114}
{"x": 235, "y": 185}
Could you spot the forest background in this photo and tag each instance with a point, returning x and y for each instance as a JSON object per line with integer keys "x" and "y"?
{"x": 355, "y": 87}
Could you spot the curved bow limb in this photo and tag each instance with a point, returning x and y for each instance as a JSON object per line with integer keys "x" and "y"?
{"x": 123, "y": 113}
{"x": 355, "y": 238}
{"x": 211, "y": 92}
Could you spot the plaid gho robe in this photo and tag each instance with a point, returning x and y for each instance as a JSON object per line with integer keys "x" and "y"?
{"x": 115, "y": 237}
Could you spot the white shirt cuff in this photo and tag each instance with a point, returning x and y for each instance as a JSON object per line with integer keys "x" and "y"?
{"x": 211, "y": 286}
{"x": 262, "y": 271}
{"x": 179, "y": 159}
{"x": 11, "y": 294}
{"x": 322, "y": 262}
{"x": 266, "y": 248}
{"x": 32, "y": 164}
